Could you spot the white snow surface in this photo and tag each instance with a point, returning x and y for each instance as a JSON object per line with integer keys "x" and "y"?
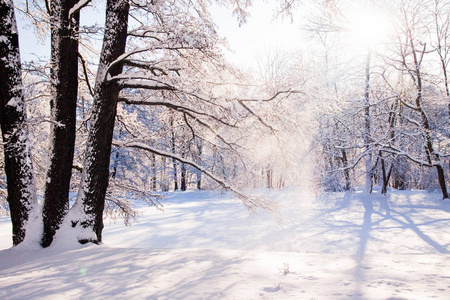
{"x": 206, "y": 245}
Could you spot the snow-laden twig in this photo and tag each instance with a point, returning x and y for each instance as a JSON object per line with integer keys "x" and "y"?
{"x": 175, "y": 106}
{"x": 273, "y": 97}
{"x": 250, "y": 202}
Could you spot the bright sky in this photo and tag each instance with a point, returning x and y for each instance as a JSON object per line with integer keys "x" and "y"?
{"x": 261, "y": 33}
{"x": 368, "y": 25}
{"x": 30, "y": 46}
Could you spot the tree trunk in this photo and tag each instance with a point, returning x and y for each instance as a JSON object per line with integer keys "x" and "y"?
{"x": 18, "y": 166}
{"x": 153, "y": 172}
{"x": 433, "y": 157}
{"x": 98, "y": 149}
{"x": 183, "y": 186}
{"x": 367, "y": 130}
{"x": 441, "y": 178}
{"x": 164, "y": 176}
{"x": 64, "y": 49}
{"x": 386, "y": 176}
{"x": 174, "y": 162}
{"x": 199, "y": 161}
{"x": 348, "y": 183}
{"x": 269, "y": 184}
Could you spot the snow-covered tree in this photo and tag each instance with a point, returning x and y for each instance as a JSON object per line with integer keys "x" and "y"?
{"x": 17, "y": 156}
{"x": 167, "y": 61}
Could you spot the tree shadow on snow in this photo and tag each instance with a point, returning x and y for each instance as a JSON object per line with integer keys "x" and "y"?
{"x": 407, "y": 216}
{"x": 102, "y": 272}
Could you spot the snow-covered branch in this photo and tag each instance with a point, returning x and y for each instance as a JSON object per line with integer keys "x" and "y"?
{"x": 273, "y": 97}
{"x": 177, "y": 107}
{"x": 78, "y": 6}
{"x": 250, "y": 202}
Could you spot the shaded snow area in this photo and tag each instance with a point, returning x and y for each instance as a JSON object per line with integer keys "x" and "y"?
{"x": 206, "y": 245}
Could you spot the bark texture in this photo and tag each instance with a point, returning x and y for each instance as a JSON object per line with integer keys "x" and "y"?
{"x": 64, "y": 31}
{"x": 106, "y": 93}
{"x": 18, "y": 165}
{"x": 367, "y": 129}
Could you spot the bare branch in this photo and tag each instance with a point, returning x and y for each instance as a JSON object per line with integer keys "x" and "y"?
{"x": 86, "y": 77}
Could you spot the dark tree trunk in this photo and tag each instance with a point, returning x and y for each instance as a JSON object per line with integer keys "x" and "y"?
{"x": 183, "y": 186}
{"x": 183, "y": 171}
{"x": 199, "y": 180}
{"x": 348, "y": 183}
{"x": 18, "y": 167}
{"x": 199, "y": 161}
{"x": 173, "y": 149}
{"x": 98, "y": 149}
{"x": 64, "y": 30}
{"x": 442, "y": 183}
{"x": 154, "y": 171}
{"x": 367, "y": 135}
{"x": 175, "y": 176}
{"x": 399, "y": 173}
{"x": 386, "y": 175}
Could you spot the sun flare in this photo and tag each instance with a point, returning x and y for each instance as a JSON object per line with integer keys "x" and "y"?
{"x": 368, "y": 27}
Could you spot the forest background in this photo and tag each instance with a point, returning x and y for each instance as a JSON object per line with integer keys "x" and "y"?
{"x": 147, "y": 102}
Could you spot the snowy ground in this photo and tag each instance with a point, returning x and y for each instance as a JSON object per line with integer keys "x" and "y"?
{"x": 205, "y": 245}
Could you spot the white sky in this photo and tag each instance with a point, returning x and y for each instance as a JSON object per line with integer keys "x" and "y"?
{"x": 262, "y": 32}
{"x": 31, "y": 48}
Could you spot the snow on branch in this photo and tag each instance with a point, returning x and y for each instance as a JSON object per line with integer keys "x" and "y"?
{"x": 176, "y": 107}
{"x": 211, "y": 129}
{"x": 164, "y": 45}
{"x": 393, "y": 150}
{"x": 151, "y": 66}
{"x": 136, "y": 82}
{"x": 250, "y": 202}
{"x": 273, "y": 97}
{"x": 273, "y": 130}
{"x": 78, "y": 6}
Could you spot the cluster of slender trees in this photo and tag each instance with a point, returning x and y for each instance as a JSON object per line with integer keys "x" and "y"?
{"x": 392, "y": 123}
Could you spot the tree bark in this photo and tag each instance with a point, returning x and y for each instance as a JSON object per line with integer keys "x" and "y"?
{"x": 199, "y": 145}
{"x": 64, "y": 75}
{"x": 386, "y": 176}
{"x": 367, "y": 130}
{"x": 183, "y": 186}
{"x": 348, "y": 183}
{"x": 173, "y": 149}
{"x": 154, "y": 180}
{"x": 94, "y": 183}
{"x": 18, "y": 166}
{"x": 441, "y": 178}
